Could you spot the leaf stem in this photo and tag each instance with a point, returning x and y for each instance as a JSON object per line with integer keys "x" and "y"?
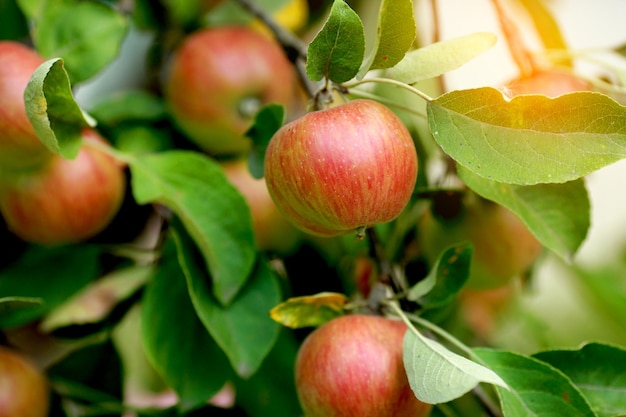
{"x": 390, "y": 103}
{"x": 389, "y": 81}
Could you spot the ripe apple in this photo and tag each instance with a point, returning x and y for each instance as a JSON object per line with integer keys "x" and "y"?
{"x": 503, "y": 247}
{"x": 549, "y": 82}
{"x": 352, "y": 366}
{"x": 272, "y": 231}
{"x": 219, "y": 78}
{"x": 24, "y": 390}
{"x": 66, "y": 200}
{"x": 19, "y": 145}
{"x": 342, "y": 169}
{"x": 482, "y": 309}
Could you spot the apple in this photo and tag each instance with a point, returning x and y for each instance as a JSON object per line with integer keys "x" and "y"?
{"x": 19, "y": 145}
{"x": 549, "y": 82}
{"x": 482, "y": 309}
{"x": 65, "y": 201}
{"x": 24, "y": 389}
{"x": 352, "y": 366}
{"x": 342, "y": 169}
{"x": 219, "y": 78}
{"x": 503, "y": 247}
{"x": 272, "y": 231}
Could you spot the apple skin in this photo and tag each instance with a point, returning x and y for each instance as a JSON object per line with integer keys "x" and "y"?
{"x": 19, "y": 145}
{"x": 66, "y": 201}
{"x": 338, "y": 170}
{"x": 503, "y": 247}
{"x": 271, "y": 230}
{"x": 549, "y": 82}
{"x": 352, "y": 366}
{"x": 24, "y": 390}
{"x": 212, "y": 76}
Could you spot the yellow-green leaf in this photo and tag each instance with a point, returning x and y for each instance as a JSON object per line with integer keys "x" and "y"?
{"x": 310, "y": 310}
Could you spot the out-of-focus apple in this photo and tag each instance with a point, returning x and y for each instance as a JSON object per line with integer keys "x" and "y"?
{"x": 342, "y": 169}
{"x": 219, "y": 78}
{"x": 24, "y": 389}
{"x": 503, "y": 247}
{"x": 272, "y": 231}
{"x": 549, "y": 82}
{"x": 352, "y": 366}
{"x": 481, "y": 309}
{"x": 66, "y": 200}
{"x": 19, "y": 145}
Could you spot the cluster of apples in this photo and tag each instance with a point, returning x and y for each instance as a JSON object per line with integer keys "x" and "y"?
{"x": 44, "y": 198}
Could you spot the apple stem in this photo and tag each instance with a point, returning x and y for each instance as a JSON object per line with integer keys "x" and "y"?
{"x": 387, "y": 274}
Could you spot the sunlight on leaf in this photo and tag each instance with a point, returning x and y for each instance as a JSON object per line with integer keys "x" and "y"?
{"x": 309, "y": 310}
{"x": 530, "y": 139}
{"x": 441, "y": 57}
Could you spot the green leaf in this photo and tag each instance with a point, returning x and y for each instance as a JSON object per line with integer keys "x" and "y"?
{"x": 130, "y": 105}
{"x": 8, "y": 305}
{"x": 86, "y": 34}
{"x": 309, "y": 310}
{"x": 438, "y": 375}
{"x": 337, "y": 51}
{"x": 557, "y": 214}
{"x": 530, "y": 139}
{"x": 176, "y": 342}
{"x": 211, "y": 209}
{"x": 52, "y": 110}
{"x": 598, "y": 370}
{"x": 51, "y": 275}
{"x": 243, "y": 329}
{"x": 546, "y": 26}
{"x": 446, "y": 277}
{"x": 395, "y": 35}
{"x": 13, "y": 25}
{"x": 535, "y": 388}
{"x": 441, "y": 57}
{"x": 266, "y": 122}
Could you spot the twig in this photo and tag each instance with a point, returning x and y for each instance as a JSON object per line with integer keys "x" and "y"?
{"x": 522, "y": 57}
{"x": 387, "y": 274}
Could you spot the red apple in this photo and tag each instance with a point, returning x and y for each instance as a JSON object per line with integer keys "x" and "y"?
{"x": 342, "y": 169}
{"x": 352, "y": 366}
{"x": 19, "y": 145}
{"x": 66, "y": 200}
{"x": 219, "y": 78}
{"x": 549, "y": 82}
{"x": 503, "y": 247}
{"x": 24, "y": 390}
{"x": 272, "y": 231}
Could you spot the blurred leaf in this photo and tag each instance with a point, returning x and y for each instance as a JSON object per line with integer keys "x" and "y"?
{"x": 8, "y": 305}
{"x": 395, "y": 35}
{"x": 557, "y": 214}
{"x": 598, "y": 370}
{"x": 130, "y": 105}
{"x": 338, "y": 49}
{"x": 535, "y": 388}
{"x": 309, "y": 310}
{"x": 211, "y": 209}
{"x": 139, "y": 138}
{"x": 271, "y": 391}
{"x": 446, "y": 277}
{"x": 607, "y": 290}
{"x": 438, "y": 58}
{"x": 13, "y": 25}
{"x": 52, "y": 275}
{"x": 52, "y": 110}
{"x": 86, "y": 34}
{"x": 266, "y": 122}
{"x": 243, "y": 329}
{"x": 546, "y": 26}
{"x": 176, "y": 342}
{"x": 438, "y": 375}
{"x": 94, "y": 302}
{"x": 231, "y": 12}
{"x": 31, "y": 8}
{"x": 530, "y": 139}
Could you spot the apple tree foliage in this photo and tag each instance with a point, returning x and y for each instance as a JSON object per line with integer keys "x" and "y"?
{"x": 204, "y": 312}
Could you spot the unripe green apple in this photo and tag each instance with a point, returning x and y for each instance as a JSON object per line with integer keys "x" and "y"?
{"x": 503, "y": 247}
{"x": 271, "y": 230}
{"x": 549, "y": 82}
{"x": 219, "y": 78}
{"x": 342, "y": 169}
{"x": 19, "y": 145}
{"x": 24, "y": 390}
{"x": 352, "y": 366}
{"x": 66, "y": 200}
